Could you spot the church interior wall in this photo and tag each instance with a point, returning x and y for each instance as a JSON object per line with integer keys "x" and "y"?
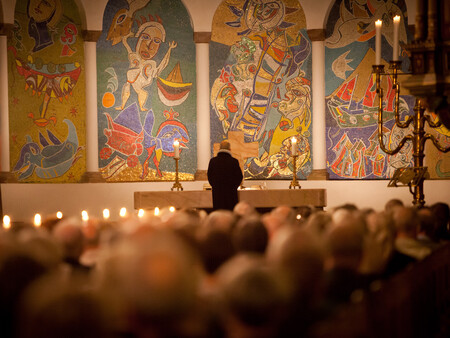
{"x": 22, "y": 200}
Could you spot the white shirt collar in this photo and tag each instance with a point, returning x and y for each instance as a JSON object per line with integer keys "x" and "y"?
{"x": 224, "y": 151}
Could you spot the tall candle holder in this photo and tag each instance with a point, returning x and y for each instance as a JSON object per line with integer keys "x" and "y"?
{"x": 177, "y": 185}
{"x": 418, "y": 137}
{"x": 294, "y": 183}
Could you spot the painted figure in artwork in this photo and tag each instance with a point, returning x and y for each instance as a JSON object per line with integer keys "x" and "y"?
{"x": 143, "y": 69}
{"x": 44, "y": 15}
{"x": 265, "y": 56}
{"x": 262, "y": 19}
{"x": 297, "y": 101}
{"x": 123, "y": 20}
{"x": 263, "y": 88}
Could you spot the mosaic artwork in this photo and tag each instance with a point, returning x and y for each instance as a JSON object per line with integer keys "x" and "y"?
{"x": 46, "y": 92}
{"x": 146, "y": 91}
{"x": 260, "y": 76}
{"x": 353, "y": 150}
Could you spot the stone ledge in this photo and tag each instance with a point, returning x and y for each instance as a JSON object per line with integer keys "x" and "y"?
{"x": 7, "y": 177}
{"x": 201, "y": 175}
{"x": 92, "y": 177}
{"x": 319, "y": 175}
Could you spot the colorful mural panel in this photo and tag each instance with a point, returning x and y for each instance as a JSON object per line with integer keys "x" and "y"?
{"x": 260, "y": 75}
{"x": 46, "y": 92}
{"x": 353, "y": 151}
{"x": 146, "y": 91}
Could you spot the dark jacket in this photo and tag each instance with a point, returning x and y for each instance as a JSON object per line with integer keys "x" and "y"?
{"x": 225, "y": 176}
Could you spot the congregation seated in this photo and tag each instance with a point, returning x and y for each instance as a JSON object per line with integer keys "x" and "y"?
{"x": 188, "y": 274}
{"x": 407, "y": 224}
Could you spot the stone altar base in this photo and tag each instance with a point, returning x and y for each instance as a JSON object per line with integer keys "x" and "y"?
{"x": 202, "y": 199}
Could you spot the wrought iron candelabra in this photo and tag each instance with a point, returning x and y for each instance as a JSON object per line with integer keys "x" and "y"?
{"x": 177, "y": 185}
{"x": 294, "y": 183}
{"x": 415, "y": 176}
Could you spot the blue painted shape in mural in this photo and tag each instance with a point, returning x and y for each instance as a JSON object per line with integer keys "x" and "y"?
{"x": 49, "y": 159}
{"x": 129, "y": 117}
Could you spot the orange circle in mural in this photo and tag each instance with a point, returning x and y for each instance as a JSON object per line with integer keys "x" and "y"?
{"x": 108, "y": 100}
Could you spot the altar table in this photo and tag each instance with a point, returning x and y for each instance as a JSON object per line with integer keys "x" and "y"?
{"x": 202, "y": 199}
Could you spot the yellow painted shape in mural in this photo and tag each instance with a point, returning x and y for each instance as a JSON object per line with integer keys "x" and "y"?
{"x": 228, "y": 35}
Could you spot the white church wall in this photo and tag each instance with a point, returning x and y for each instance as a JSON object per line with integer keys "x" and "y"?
{"x": 22, "y": 201}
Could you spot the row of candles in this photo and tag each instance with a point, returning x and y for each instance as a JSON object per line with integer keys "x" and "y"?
{"x": 123, "y": 213}
{"x": 378, "y": 25}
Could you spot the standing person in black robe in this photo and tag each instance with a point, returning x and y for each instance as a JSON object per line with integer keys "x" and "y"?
{"x": 225, "y": 176}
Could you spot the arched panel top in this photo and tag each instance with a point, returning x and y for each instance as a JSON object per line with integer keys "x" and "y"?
{"x": 234, "y": 19}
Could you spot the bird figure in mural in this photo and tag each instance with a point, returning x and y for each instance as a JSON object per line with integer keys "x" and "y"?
{"x": 54, "y": 81}
{"x": 341, "y": 65}
{"x": 123, "y": 20}
{"x": 52, "y": 158}
{"x": 169, "y": 131}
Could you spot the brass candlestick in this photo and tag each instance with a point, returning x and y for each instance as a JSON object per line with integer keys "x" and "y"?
{"x": 418, "y": 173}
{"x": 294, "y": 183}
{"x": 177, "y": 185}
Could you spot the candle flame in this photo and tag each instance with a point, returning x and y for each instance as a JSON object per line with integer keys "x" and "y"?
{"x": 156, "y": 212}
{"x": 84, "y": 216}
{"x": 37, "y": 220}
{"x": 106, "y": 214}
{"x": 378, "y": 23}
{"x": 59, "y": 215}
{"x": 6, "y": 222}
{"x": 397, "y": 18}
{"x": 141, "y": 213}
{"x": 123, "y": 212}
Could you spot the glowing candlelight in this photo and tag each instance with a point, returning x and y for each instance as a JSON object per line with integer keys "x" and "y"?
{"x": 37, "y": 220}
{"x": 141, "y": 213}
{"x": 172, "y": 209}
{"x": 84, "y": 216}
{"x": 176, "y": 149}
{"x": 378, "y": 25}
{"x": 294, "y": 146}
{"x": 106, "y": 214}
{"x": 6, "y": 222}
{"x": 59, "y": 215}
{"x": 395, "y": 42}
{"x": 156, "y": 212}
{"x": 123, "y": 212}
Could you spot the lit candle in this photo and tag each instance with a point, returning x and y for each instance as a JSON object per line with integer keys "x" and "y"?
{"x": 172, "y": 209}
{"x": 176, "y": 149}
{"x": 106, "y": 214}
{"x": 59, "y": 215}
{"x": 156, "y": 212}
{"x": 84, "y": 216}
{"x": 37, "y": 220}
{"x": 395, "y": 42}
{"x": 141, "y": 213}
{"x": 378, "y": 25}
{"x": 294, "y": 146}
{"x": 123, "y": 212}
{"x": 6, "y": 222}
